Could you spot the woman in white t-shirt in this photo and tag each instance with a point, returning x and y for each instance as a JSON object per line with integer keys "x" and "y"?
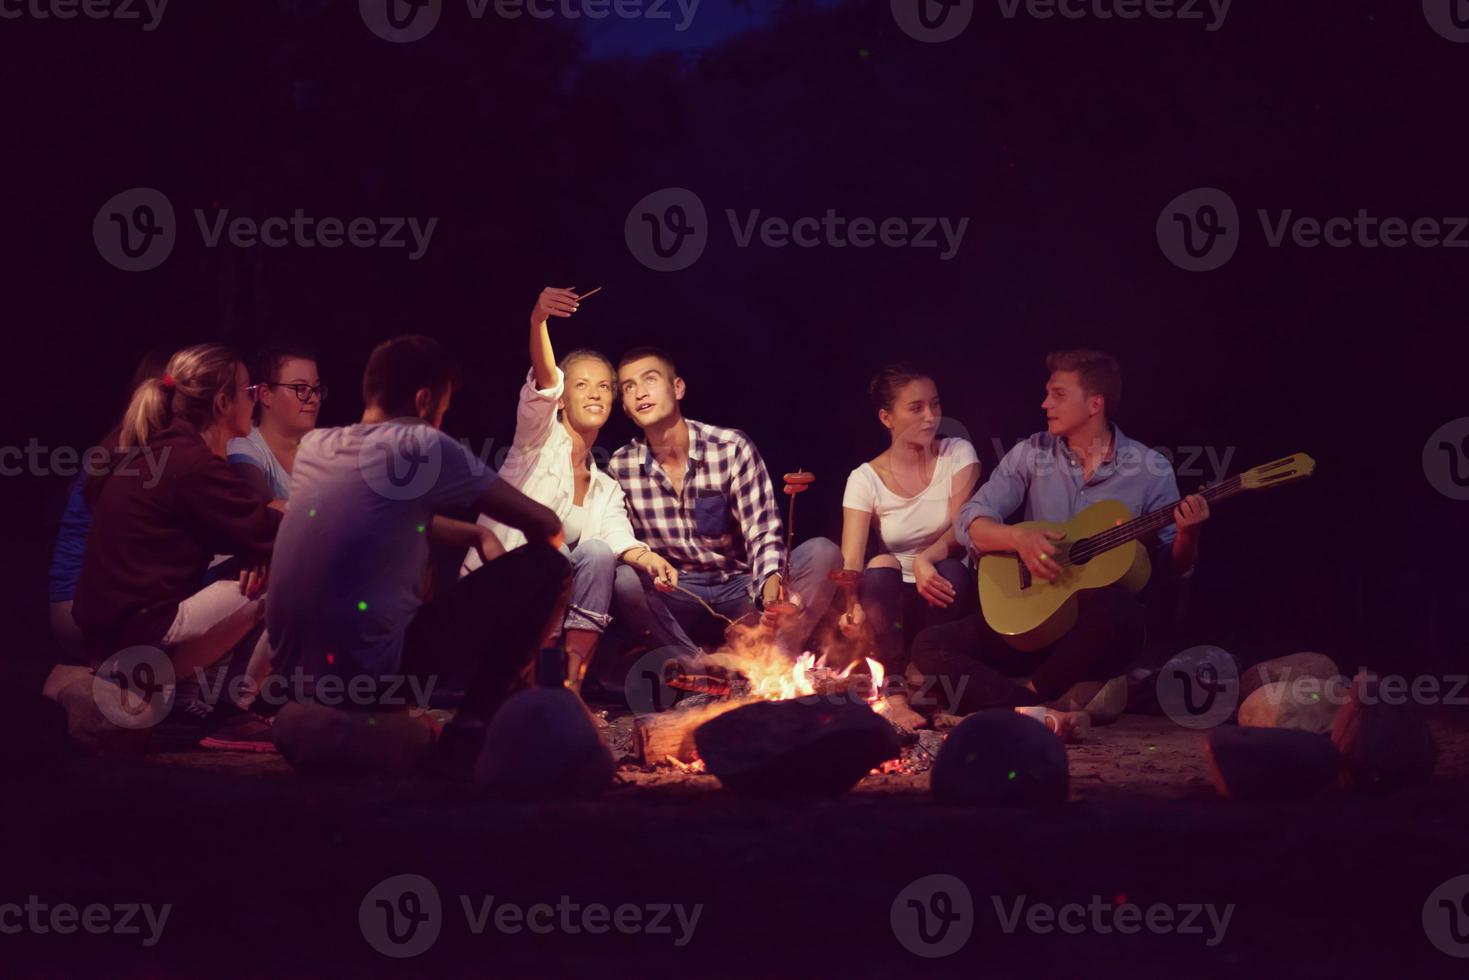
{"x": 904, "y": 503}
{"x": 562, "y": 409}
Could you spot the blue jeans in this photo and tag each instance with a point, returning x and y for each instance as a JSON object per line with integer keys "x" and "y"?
{"x": 674, "y": 618}
{"x": 896, "y": 612}
{"x": 592, "y": 565}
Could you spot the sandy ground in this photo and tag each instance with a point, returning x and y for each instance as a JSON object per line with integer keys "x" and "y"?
{"x": 265, "y": 871}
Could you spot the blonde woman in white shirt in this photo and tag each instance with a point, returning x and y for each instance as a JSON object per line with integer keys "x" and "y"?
{"x": 903, "y": 503}
{"x": 562, "y": 409}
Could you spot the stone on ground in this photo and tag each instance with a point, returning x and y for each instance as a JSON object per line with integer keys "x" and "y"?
{"x": 543, "y": 743}
{"x": 1384, "y": 738}
{"x": 808, "y": 748}
{"x": 322, "y": 740}
{"x": 1307, "y": 704}
{"x": 1270, "y": 765}
{"x": 1001, "y": 758}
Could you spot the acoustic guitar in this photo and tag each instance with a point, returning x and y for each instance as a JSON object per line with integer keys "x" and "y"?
{"x": 1101, "y": 548}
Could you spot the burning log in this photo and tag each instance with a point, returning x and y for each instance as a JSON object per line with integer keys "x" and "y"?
{"x": 800, "y": 749}
{"x": 671, "y": 733}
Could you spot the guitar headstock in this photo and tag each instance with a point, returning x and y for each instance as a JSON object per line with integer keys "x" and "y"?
{"x": 1296, "y": 466}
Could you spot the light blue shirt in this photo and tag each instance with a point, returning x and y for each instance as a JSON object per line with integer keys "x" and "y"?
{"x": 253, "y": 449}
{"x": 1046, "y": 476}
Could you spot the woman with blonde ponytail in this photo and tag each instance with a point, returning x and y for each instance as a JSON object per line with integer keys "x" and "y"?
{"x": 169, "y": 505}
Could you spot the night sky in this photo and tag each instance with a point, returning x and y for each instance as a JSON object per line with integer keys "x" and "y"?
{"x": 1058, "y": 142}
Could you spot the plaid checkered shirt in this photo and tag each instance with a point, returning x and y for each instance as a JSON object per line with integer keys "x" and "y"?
{"x": 725, "y": 520}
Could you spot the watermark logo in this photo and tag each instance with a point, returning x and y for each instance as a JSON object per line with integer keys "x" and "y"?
{"x": 1199, "y": 688}
{"x": 402, "y": 462}
{"x": 35, "y": 459}
{"x": 647, "y": 685}
{"x": 1118, "y": 915}
{"x": 400, "y": 21}
{"x": 404, "y": 21}
{"x": 932, "y": 21}
{"x": 667, "y": 230}
{"x": 1446, "y": 917}
{"x": 401, "y": 916}
{"x": 148, "y": 12}
{"x": 64, "y": 919}
{"x": 933, "y": 916}
{"x": 1448, "y": 18}
{"x": 135, "y": 687}
{"x": 136, "y": 229}
{"x": 1199, "y": 230}
{"x": 1446, "y": 459}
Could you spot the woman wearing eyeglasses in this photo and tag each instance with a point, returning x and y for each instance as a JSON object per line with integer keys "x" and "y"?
{"x": 288, "y": 395}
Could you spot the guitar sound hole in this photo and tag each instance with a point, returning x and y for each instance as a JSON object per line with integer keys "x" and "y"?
{"x": 1078, "y": 554}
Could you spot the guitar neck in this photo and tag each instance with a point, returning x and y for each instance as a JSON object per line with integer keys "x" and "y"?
{"x": 1157, "y": 520}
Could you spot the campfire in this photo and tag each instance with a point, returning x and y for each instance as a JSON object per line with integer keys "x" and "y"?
{"x": 752, "y": 668}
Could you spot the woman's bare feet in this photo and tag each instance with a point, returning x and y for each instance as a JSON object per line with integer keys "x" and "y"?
{"x": 1069, "y": 726}
{"x": 902, "y": 715}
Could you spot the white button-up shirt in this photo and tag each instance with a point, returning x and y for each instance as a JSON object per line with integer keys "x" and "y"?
{"x": 539, "y": 466}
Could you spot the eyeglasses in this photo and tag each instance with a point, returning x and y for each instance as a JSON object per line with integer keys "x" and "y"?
{"x": 303, "y": 392}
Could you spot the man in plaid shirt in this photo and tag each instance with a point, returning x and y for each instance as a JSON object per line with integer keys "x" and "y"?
{"x": 699, "y": 496}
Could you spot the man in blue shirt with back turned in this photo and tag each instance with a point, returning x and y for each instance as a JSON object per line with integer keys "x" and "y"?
{"x": 1080, "y": 459}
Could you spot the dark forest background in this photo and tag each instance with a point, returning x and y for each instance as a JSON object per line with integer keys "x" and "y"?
{"x": 1060, "y": 141}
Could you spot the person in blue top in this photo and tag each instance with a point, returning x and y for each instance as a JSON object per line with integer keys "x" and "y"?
{"x": 1081, "y": 458}
{"x": 289, "y": 394}
{"x": 76, "y": 521}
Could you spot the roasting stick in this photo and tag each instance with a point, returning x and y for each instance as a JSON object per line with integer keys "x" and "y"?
{"x": 795, "y": 483}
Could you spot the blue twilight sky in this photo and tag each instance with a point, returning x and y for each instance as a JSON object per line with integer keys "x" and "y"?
{"x": 706, "y": 24}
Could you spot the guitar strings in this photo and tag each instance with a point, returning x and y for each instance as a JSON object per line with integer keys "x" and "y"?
{"x": 1139, "y": 526}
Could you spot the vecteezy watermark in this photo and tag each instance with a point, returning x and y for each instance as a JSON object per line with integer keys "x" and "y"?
{"x": 934, "y": 21}
{"x": 1200, "y": 230}
{"x": 1425, "y": 690}
{"x": 1210, "y": 463}
{"x": 147, "y": 12}
{"x": 35, "y": 459}
{"x": 65, "y": 919}
{"x": 135, "y": 687}
{"x": 138, "y": 688}
{"x": 935, "y": 915}
{"x": 1448, "y": 18}
{"x": 403, "y": 916}
{"x": 136, "y": 230}
{"x": 1446, "y": 459}
{"x": 404, "y": 21}
{"x": 1119, "y": 916}
{"x": 1446, "y": 917}
{"x": 1199, "y": 688}
{"x": 668, "y": 230}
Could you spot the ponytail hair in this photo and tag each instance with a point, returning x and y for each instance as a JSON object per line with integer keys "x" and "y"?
{"x": 186, "y": 390}
{"x": 885, "y": 385}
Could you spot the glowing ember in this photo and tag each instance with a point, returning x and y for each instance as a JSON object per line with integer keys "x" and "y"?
{"x": 772, "y": 677}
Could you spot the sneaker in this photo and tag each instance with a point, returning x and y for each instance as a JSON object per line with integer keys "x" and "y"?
{"x": 232, "y": 729}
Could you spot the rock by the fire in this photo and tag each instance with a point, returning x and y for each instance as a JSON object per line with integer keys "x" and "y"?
{"x": 1383, "y": 737}
{"x": 544, "y": 743}
{"x": 1307, "y": 704}
{"x": 323, "y": 740}
{"x": 1275, "y": 765}
{"x": 1296, "y": 665}
{"x": 807, "y": 748}
{"x": 89, "y": 727}
{"x": 1001, "y": 758}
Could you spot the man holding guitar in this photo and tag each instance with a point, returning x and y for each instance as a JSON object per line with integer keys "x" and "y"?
{"x": 1095, "y": 632}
